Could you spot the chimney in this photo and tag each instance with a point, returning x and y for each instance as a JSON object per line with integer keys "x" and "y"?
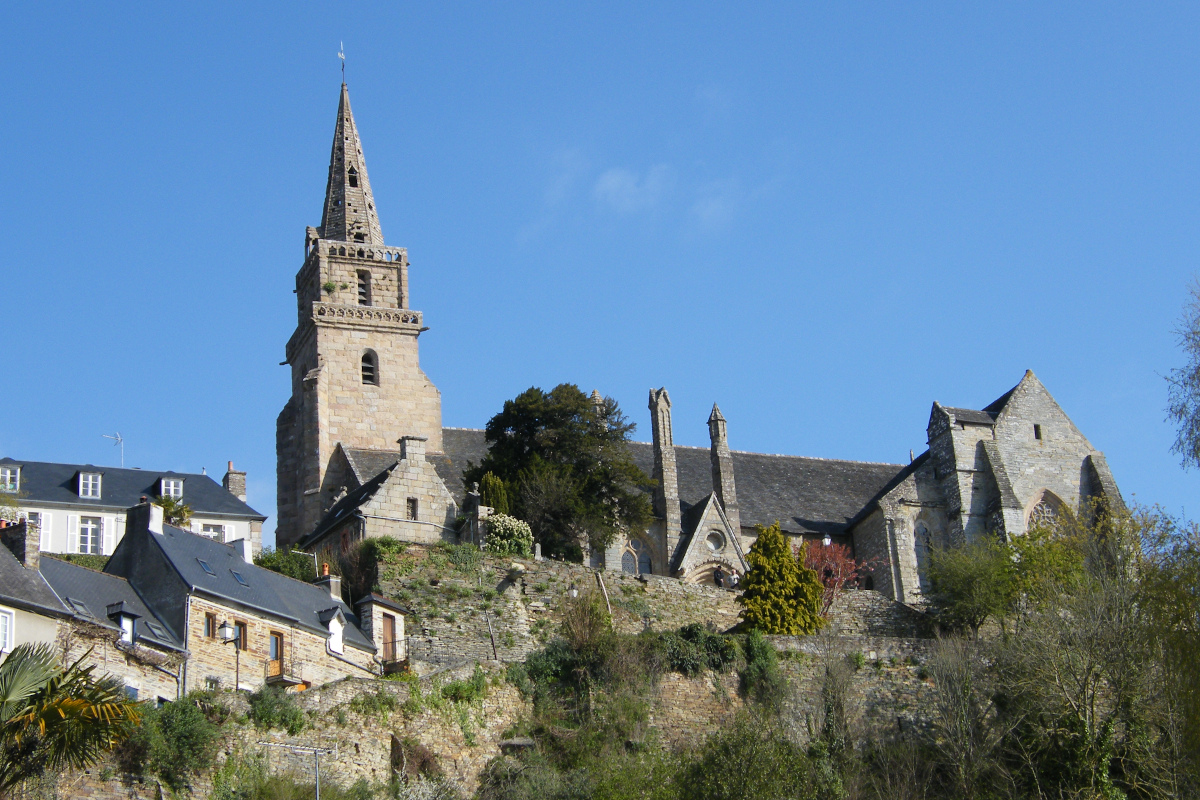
{"x": 144, "y": 516}
{"x": 722, "y": 469}
{"x": 331, "y": 582}
{"x": 235, "y": 483}
{"x": 666, "y": 493}
{"x": 412, "y": 448}
{"x": 23, "y": 540}
{"x": 244, "y": 548}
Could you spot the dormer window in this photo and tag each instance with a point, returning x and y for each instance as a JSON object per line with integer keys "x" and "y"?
{"x": 353, "y": 175}
{"x": 126, "y": 619}
{"x": 171, "y": 487}
{"x": 89, "y": 485}
{"x": 336, "y": 621}
{"x": 10, "y": 479}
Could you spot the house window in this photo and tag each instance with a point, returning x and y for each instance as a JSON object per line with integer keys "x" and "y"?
{"x": 10, "y": 479}
{"x": 6, "y": 630}
{"x": 172, "y": 487}
{"x": 216, "y": 532}
{"x": 241, "y": 636}
{"x": 370, "y": 369}
{"x": 335, "y": 636}
{"x": 411, "y": 503}
{"x": 90, "y": 533}
{"x": 210, "y": 626}
{"x": 131, "y": 693}
{"x": 89, "y": 485}
{"x": 364, "y": 287}
{"x": 1037, "y": 432}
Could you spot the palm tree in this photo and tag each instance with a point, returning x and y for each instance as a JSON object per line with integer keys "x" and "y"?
{"x": 175, "y": 511}
{"x": 53, "y": 718}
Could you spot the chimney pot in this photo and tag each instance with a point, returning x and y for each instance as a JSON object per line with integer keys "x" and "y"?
{"x": 231, "y": 466}
{"x": 325, "y": 570}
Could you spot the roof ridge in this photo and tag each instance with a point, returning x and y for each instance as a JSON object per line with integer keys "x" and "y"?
{"x": 138, "y": 470}
{"x": 785, "y": 455}
{"x": 452, "y": 428}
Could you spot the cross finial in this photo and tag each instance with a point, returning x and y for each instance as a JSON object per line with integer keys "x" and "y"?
{"x": 342, "y": 56}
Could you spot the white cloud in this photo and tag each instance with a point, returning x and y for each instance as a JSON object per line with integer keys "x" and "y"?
{"x": 625, "y": 191}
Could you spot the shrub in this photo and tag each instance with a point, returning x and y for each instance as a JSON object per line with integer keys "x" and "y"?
{"x": 749, "y": 759}
{"x": 971, "y": 584}
{"x": 271, "y": 707}
{"x": 174, "y": 742}
{"x": 692, "y": 649}
{"x": 509, "y": 536}
{"x": 779, "y": 595}
{"x": 493, "y": 493}
{"x": 295, "y": 565}
{"x": 474, "y": 688}
{"x": 762, "y": 680}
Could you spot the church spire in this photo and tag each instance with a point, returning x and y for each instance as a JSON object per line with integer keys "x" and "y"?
{"x": 350, "y": 214}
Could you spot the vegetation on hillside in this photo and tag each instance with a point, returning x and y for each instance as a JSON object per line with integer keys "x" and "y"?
{"x": 780, "y": 594}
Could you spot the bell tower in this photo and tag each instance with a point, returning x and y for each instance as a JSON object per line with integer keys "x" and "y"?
{"x": 356, "y": 375}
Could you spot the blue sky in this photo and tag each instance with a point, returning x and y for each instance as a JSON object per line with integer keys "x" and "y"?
{"x": 823, "y": 217}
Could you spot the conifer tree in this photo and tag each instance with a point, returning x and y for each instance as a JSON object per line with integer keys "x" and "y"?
{"x": 779, "y": 594}
{"x": 493, "y": 493}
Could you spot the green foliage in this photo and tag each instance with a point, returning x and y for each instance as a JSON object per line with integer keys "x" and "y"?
{"x": 53, "y": 718}
{"x": 762, "y": 681}
{"x": 272, "y": 707}
{"x": 175, "y": 511}
{"x": 509, "y": 536}
{"x": 568, "y": 461}
{"x": 380, "y": 704}
{"x": 86, "y": 560}
{"x": 286, "y": 562}
{"x": 692, "y": 649}
{"x": 469, "y": 690}
{"x": 779, "y": 595}
{"x": 493, "y": 493}
{"x": 971, "y": 583}
{"x": 178, "y": 741}
{"x": 1183, "y": 390}
{"x": 750, "y": 759}
{"x": 359, "y": 564}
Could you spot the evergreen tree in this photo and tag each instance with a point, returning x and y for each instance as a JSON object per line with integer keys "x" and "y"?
{"x": 493, "y": 493}
{"x": 567, "y": 459}
{"x": 779, "y": 594}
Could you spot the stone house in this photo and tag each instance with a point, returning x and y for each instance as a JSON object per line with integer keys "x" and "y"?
{"x": 80, "y": 508}
{"x": 282, "y": 631}
{"x": 85, "y": 615}
{"x": 358, "y": 391}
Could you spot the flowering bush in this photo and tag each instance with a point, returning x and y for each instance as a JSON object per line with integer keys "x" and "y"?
{"x": 508, "y": 536}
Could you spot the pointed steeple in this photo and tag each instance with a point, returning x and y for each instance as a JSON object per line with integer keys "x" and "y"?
{"x": 350, "y": 214}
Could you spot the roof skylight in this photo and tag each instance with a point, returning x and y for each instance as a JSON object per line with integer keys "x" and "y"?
{"x": 204, "y": 565}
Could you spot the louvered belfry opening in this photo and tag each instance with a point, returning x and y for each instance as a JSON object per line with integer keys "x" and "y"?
{"x": 364, "y": 287}
{"x": 370, "y": 369}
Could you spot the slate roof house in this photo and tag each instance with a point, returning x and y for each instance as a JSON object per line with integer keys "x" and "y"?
{"x": 358, "y": 391}
{"x": 80, "y": 508}
{"x": 285, "y": 631}
{"x": 84, "y": 614}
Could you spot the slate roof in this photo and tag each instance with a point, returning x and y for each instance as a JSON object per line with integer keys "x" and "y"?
{"x": 971, "y": 416}
{"x": 264, "y": 590}
{"x": 26, "y": 588}
{"x": 46, "y": 482}
{"x": 88, "y": 594}
{"x": 343, "y": 509}
{"x": 366, "y": 464}
{"x": 806, "y": 495}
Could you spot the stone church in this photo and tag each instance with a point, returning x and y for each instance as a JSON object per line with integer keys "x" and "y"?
{"x": 362, "y": 451}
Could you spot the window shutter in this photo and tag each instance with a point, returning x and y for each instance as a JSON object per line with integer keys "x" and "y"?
{"x": 44, "y": 524}
{"x": 72, "y": 533}
{"x": 196, "y": 528}
{"x": 108, "y": 531}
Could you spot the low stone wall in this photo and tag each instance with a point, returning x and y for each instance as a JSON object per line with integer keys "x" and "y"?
{"x": 868, "y": 613}
{"x": 688, "y": 709}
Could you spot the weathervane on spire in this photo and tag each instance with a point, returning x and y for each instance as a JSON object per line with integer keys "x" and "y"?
{"x": 342, "y": 56}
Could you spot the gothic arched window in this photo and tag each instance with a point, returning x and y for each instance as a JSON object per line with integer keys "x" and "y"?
{"x": 636, "y": 558}
{"x": 370, "y": 369}
{"x": 353, "y": 175}
{"x": 1045, "y": 511}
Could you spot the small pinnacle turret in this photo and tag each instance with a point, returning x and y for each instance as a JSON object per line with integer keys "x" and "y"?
{"x": 350, "y": 214}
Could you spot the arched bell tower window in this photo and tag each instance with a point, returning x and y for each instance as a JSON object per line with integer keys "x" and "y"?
{"x": 370, "y": 369}
{"x": 353, "y": 175}
{"x": 636, "y": 558}
{"x": 364, "y": 287}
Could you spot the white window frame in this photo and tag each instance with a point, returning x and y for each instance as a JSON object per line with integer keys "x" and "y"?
{"x": 126, "y": 629}
{"x": 8, "y": 620}
{"x": 89, "y": 485}
{"x": 99, "y": 535}
{"x": 217, "y": 535}
{"x": 171, "y": 487}
{"x": 10, "y": 479}
{"x": 336, "y": 640}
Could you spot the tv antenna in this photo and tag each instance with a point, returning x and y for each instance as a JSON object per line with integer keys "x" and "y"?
{"x": 117, "y": 442}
